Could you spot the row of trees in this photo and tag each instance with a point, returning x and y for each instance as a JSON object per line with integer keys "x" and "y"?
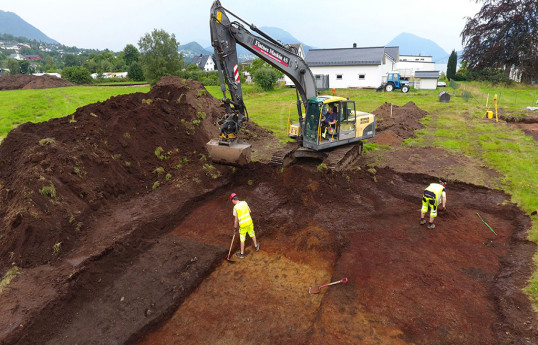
{"x": 156, "y": 56}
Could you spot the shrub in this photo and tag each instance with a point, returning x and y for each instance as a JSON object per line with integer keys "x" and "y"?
{"x": 265, "y": 77}
{"x": 77, "y": 74}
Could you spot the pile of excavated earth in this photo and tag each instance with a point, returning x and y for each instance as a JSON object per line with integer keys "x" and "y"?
{"x": 115, "y": 226}
{"x": 28, "y": 81}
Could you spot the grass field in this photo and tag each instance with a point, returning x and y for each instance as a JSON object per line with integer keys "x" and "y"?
{"x": 20, "y": 106}
{"x": 457, "y": 126}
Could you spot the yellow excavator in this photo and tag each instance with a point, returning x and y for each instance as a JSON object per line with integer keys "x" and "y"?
{"x": 336, "y": 144}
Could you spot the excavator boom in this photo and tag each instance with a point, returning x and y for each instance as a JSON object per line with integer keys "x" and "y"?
{"x": 225, "y": 35}
{"x": 347, "y": 125}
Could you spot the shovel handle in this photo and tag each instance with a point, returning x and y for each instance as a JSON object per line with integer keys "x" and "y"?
{"x": 231, "y": 244}
{"x": 343, "y": 280}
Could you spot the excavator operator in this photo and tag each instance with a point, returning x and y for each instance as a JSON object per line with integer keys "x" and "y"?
{"x": 329, "y": 122}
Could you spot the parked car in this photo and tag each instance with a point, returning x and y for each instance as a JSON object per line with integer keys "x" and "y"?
{"x": 441, "y": 83}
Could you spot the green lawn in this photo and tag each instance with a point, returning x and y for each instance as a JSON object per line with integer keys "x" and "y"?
{"x": 20, "y": 106}
{"x": 457, "y": 126}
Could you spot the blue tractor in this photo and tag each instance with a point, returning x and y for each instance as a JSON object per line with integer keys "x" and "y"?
{"x": 394, "y": 82}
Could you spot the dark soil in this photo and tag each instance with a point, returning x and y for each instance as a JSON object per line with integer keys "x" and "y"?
{"x": 24, "y": 82}
{"x": 395, "y": 124}
{"x": 113, "y": 257}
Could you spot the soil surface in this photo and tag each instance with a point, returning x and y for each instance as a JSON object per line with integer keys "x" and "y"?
{"x": 527, "y": 123}
{"x": 24, "y": 82}
{"x": 119, "y": 220}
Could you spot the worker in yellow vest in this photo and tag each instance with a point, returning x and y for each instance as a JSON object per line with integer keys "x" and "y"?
{"x": 433, "y": 196}
{"x": 243, "y": 222}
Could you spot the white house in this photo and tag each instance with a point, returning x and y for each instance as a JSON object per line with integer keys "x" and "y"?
{"x": 352, "y": 67}
{"x": 18, "y": 57}
{"x": 426, "y": 79}
{"x": 409, "y": 64}
{"x": 205, "y": 62}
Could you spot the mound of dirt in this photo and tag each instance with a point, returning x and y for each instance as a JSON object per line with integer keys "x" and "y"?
{"x": 54, "y": 175}
{"x": 395, "y": 124}
{"x": 24, "y": 82}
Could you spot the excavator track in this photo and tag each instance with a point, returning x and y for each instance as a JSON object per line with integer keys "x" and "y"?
{"x": 337, "y": 159}
{"x": 342, "y": 157}
{"x": 284, "y": 156}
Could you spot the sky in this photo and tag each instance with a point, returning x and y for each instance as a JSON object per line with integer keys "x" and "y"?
{"x": 112, "y": 24}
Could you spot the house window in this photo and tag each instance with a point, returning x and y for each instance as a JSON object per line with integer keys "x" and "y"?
{"x": 318, "y": 77}
{"x": 362, "y": 76}
{"x": 338, "y": 77}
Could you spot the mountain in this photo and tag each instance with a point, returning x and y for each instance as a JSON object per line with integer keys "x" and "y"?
{"x": 413, "y": 45}
{"x": 12, "y": 24}
{"x": 193, "y": 49}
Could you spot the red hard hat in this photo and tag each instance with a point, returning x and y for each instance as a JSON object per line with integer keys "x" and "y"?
{"x": 232, "y": 196}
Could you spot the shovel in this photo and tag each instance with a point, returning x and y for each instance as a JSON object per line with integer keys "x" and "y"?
{"x": 317, "y": 289}
{"x": 229, "y": 251}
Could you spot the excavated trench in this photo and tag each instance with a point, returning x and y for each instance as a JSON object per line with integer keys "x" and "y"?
{"x": 148, "y": 266}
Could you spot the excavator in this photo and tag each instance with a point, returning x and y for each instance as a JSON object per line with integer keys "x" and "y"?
{"x": 335, "y": 145}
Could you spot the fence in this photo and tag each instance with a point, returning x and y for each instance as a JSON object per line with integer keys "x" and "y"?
{"x": 506, "y": 98}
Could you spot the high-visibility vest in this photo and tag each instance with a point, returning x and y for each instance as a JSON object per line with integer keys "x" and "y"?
{"x": 437, "y": 189}
{"x": 243, "y": 214}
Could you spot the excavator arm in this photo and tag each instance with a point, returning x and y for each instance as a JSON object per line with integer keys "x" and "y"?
{"x": 225, "y": 35}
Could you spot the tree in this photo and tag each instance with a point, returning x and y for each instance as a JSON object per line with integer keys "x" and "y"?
{"x": 77, "y": 74}
{"x": 71, "y": 60}
{"x": 263, "y": 74}
{"x": 159, "y": 55}
{"x": 135, "y": 72}
{"x": 130, "y": 54}
{"x": 452, "y": 65}
{"x": 25, "y": 66}
{"x": 265, "y": 77}
{"x": 504, "y": 34}
{"x": 13, "y": 66}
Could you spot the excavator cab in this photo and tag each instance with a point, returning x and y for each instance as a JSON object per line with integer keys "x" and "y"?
{"x": 351, "y": 125}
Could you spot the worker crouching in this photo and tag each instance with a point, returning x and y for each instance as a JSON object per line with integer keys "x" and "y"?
{"x": 243, "y": 222}
{"x": 433, "y": 196}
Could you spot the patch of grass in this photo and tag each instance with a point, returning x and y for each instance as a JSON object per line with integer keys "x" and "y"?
{"x": 47, "y": 141}
{"x": 56, "y": 248}
{"x": 158, "y": 170}
{"x": 211, "y": 171}
{"x": 49, "y": 191}
{"x": 322, "y": 168}
{"x": 159, "y": 153}
{"x": 8, "y": 277}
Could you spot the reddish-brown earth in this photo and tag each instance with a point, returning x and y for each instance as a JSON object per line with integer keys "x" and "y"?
{"x": 24, "y": 82}
{"x": 114, "y": 259}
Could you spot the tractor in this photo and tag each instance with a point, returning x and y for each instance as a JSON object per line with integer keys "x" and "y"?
{"x": 394, "y": 82}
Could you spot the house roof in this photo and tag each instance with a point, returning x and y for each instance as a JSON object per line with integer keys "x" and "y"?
{"x": 351, "y": 56}
{"x": 427, "y": 74}
{"x": 201, "y": 60}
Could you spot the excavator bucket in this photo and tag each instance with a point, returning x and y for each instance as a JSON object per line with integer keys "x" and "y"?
{"x": 236, "y": 153}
